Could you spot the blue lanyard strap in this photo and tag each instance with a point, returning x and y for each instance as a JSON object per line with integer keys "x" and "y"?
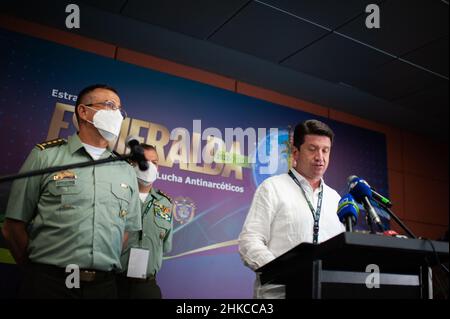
{"x": 316, "y": 212}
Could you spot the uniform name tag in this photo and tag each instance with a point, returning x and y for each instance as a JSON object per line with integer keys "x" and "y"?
{"x": 137, "y": 264}
{"x": 65, "y": 182}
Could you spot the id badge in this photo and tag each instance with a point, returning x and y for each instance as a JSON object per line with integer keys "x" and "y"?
{"x": 137, "y": 263}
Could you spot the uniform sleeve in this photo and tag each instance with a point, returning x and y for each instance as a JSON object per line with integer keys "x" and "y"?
{"x": 255, "y": 233}
{"x": 167, "y": 245}
{"x": 134, "y": 220}
{"x": 25, "y": 192}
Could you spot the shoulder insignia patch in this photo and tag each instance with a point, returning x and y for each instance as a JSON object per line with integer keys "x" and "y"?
{"x": 51, "y": 143}
{"x": 164, "y": 194}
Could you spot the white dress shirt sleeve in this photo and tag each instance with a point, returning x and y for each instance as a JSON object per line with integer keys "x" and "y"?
{"x": 255, "y": 233}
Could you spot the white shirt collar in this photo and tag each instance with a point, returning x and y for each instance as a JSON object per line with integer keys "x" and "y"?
{"x": 94, "y": 151}
{"x": 304, "y": 181}
{"x": 143, "y": 196}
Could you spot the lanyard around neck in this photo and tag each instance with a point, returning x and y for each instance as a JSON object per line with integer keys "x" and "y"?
{"x": 315, "y": 212}
{"x": 146, "y": 210}
{"x": 149, "y": 205}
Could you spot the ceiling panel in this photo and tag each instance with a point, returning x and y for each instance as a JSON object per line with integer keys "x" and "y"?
{"x": 266, "y": 33}
{"x": 387, "y": 91}
{"x": 107, "y": 5}
{"x": 198, "y": 18}
{"x": 336, "y": 59}
{"x": 434, "y": 101}
{"x": 328, "y": 13}
{"x": 404, "y": 25}
{"x": 433, "y": 56}
{"x": 396, "y": 79}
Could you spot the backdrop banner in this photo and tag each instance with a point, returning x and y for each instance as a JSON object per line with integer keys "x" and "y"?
{"x": 215, "y": 147}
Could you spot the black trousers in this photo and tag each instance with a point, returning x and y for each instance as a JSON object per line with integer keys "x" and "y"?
{"x": 130, "y": 288}
{"x": 41, "y": 281}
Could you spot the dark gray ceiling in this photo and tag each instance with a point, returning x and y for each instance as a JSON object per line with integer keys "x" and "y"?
{"x": 316, "y": 50}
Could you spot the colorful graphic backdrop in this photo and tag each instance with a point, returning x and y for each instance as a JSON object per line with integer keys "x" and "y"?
{"x": 38, "y": 81}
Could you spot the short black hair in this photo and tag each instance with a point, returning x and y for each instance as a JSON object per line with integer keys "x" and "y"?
{"x": 88, "y": 90}
{"x": 312, "y": 127}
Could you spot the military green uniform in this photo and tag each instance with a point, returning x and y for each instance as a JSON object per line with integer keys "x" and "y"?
{"x": 77, "y": 216}
{"x": 156, "y": 237}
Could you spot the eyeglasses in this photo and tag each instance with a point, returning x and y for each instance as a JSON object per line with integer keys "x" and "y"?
{"x": 111, "y": 106}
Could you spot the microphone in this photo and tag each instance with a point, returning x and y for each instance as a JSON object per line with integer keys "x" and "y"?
{"x": 136, "y": 152}
{"x": 375, "y": 195}
{"x": 361, "y": 191}
{"x": 348, "y": 212}
{"x": 380, "y": 198}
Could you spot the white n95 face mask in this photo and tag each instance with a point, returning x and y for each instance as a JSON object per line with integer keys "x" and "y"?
{"x": 147, "y": 177}
{"x": 108, "y": 123}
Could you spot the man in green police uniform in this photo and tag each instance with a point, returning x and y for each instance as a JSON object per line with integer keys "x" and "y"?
{"x": 78, "y": 217}
{"x": 154, "y": 239}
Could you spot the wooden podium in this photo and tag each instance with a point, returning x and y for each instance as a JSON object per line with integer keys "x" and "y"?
{"x": 342, "y": 267}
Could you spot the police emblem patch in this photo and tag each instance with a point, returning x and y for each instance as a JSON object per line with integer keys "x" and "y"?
{"x": 183, "y": 209}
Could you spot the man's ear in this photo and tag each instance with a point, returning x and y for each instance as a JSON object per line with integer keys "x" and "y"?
{"x": 295, "y": 152}
{"x": 82, "y": 112}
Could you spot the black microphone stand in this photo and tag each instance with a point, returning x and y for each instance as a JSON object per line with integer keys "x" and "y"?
{"x": 395, "y": 217}
{"x": 65, "y": 167}
{"x": 136, "y": 155}
{"x": 370, "y": 224}
{"x": 372, "y": 218}
{"x": 348, "y": 224}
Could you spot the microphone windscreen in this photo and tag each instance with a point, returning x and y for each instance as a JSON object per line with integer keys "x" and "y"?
{"x": 360, "y": 189}
{"x": 143, "y": 165}
{"x": 350, "y": 179}
{"x": 132, "y": 140}
{"x": 347, "y": 207}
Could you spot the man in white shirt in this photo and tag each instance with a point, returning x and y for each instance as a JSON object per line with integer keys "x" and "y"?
{"x": 292, "y": 208}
